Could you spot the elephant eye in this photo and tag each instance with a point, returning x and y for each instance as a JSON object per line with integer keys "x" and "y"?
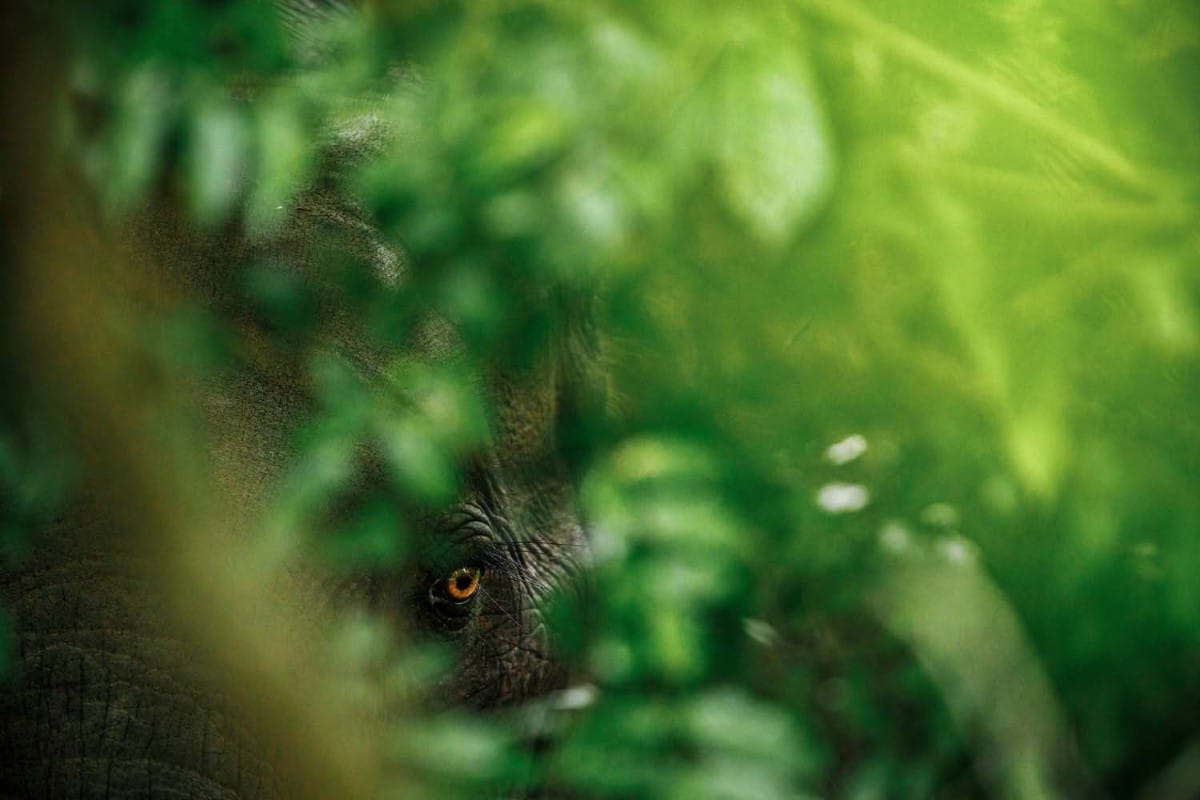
{"x": 462, "y": 584}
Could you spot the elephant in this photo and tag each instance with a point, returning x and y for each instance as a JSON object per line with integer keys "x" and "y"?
{"x": 149, "y": 659}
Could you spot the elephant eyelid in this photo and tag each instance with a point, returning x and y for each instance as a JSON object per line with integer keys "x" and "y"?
{"x": 473, "y": 537}
{"x": 488, "y": 555}
{"x": 464, "y": 526}
{"x": 493, "y": 556}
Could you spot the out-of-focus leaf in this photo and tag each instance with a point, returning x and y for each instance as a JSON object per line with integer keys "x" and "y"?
{"x": 145, "y": 114}
{"x": 218, "y": 158}
{"x": 776, "y": 161}
{"x": 285, "y": 162}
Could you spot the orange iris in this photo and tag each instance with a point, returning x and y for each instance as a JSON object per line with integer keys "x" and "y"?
{"x": 462, "y": 583}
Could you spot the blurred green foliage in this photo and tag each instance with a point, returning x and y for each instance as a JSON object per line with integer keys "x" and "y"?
{"x": 886, "y": 291}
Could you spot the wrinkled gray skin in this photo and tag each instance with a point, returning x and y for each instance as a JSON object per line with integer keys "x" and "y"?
{"x": 515, "y": 517}
{"x": 109, "y": 702}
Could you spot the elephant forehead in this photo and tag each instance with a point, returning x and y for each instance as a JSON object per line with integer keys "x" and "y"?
{"x": 326, "y": 236}
{"x": 523, "y": 403}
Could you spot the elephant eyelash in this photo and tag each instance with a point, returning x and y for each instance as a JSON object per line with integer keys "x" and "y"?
{"x": 474, "y": 537}
{"x": 488, "y": 555}
{"x": 495, "y": 557}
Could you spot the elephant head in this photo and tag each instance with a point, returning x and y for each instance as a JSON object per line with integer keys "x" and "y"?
{"x": 149, "y": 659}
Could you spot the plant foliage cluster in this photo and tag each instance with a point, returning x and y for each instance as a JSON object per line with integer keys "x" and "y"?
{"x": 893, "y": 490}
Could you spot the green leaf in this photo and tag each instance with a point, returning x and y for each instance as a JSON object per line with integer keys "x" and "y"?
{"x": 776, "y": 164}
{"x": 218, "y": 159}
{"x": 285, "y": 162}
